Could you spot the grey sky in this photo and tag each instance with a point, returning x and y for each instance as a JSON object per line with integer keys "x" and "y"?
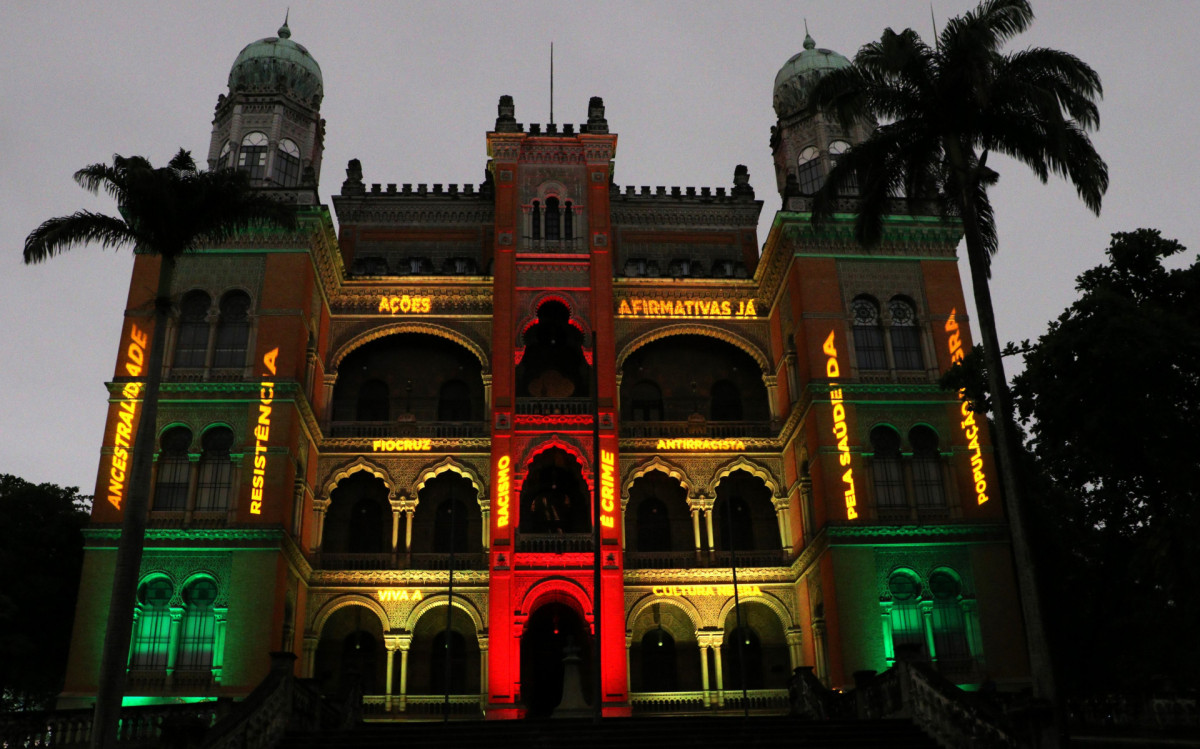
{"x": 411, "y": 88}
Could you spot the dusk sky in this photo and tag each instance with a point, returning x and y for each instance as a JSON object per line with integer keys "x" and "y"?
{"x": 411, "y": 89}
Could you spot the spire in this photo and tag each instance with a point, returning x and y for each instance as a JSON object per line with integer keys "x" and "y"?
{"x": 284, "y": 31}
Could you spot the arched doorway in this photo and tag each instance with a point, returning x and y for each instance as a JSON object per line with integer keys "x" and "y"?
{"x": 759, "y": 645}
{"x": 350, "y": 650}
{"x": 552, "y": 632}
{"x": 553, "y": 365}
{"x": 664, "y": 654}
{"x": 433, "y": 645}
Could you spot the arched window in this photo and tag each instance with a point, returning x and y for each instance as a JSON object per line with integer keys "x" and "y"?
{"x": 454, "y": 401}
{"x": 926, "y": 467}
{"x": 252, "y": 158}
{"x": 837, "y": 149}
{"x": 653, "y": 526}
{"x": 906, "y": 335}
{"x": 216, "y": 469}
{"x": 450, "y": 526}
{"x": 886, "y": 468}
{"x": 152, "y": 635}
{"x": 659, "y": 670}
{"x": 199, "y": 626}
{"x": 287, "y": 164}
{"x": 868, "y": 335}
{"x": 553, "y": 228}
{"x": 374, "y": 402}
{"x": 735, "y": 513}
{"x": 568, "y": 220}
{"x": 646, "y": 403}
{"x": 949, "y": 624}
{"x": 745, "y": 655}
{"x": 174, "y": 469}
{"x": 233, "y": 331}
{"x": 225, "y": 160}
{"x": 908, "y": 629}
{"x": 808, "y": 172}
{"x": 536, "y": 218}
{"x": 726, "y": 401}
{"x": 450, "y": 646}
{"x": 191, "y": 345}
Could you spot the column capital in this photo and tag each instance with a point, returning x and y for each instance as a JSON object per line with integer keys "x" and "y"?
{"x": 794, "y": 636}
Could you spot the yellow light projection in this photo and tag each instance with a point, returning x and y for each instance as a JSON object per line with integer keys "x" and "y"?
{"x": 502, "y": 487}
{"x": 608, "y": 461}
{"x": 404, "y": 445}
{"x": 398, "y": 594}
{"x": 405, "y": 304}
{"x": 691, "y": 308}
{"x": 705, "y": 590}
{"x": 135, "y": 358}
{"x": 840, "y": 430}
{"x": 970, "y": 430}
{"x": 262, "y": 432}
{"x": 701, "y": 444}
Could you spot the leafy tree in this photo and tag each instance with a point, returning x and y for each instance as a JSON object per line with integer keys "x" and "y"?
{"x": 41, "y": 551}
{"x": 1111, "y": 398}
{"x": 943, "y": 110}
{"x": 165, "y": 211}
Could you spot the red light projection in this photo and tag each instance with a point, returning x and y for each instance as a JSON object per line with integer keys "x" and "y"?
{"x": 503, "y": 484}
{"x": 608, "y": 462}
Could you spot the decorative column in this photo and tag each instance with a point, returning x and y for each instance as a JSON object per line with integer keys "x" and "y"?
{"x": 818, "y": 632}
{"x": 708, "y": 526}
{"x": 408, "y": 526}
{"x": 806, "y": 508}
{"x": 404, "y": 642}
{"x": 218, "y": 655}
{"x": 485, "y": 511}
{"x": 483, "y": 668}
{"x": 173, "y": 641}
{"x": 704, "y": 674}
{"x": 137, "y": 614}
{"x": 391, "y": 644}
{"x": 309, "y": 665}
{"x": 971, "y": 624}
{"x": 927, "y": 621}
{"x": 772, "y": 383}
{"x": 628, "y": 654}
{"x": 889, "y": 644}
{"x": 319, "y": 508}
{"x": 327, "y": 406}
{"x": 189, "y": 502}
{"x": 395, "y": 527}
{"x": 795, "y": 641}
{"x": 716, "y": 648}
{"x": 696, "y": 527}
{"x": 782, "y": 506}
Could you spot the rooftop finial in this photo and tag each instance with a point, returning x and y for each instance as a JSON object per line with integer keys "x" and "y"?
{"x": 284, "y": 31}
{"x": 808, "y": 40}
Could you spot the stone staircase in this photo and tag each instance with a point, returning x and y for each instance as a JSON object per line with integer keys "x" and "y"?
{"x": 622, "y": 733}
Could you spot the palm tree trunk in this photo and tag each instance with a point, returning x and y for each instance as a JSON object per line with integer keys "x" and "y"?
{"x": 1040, "y": 663}
{"x": 111, "y": 687}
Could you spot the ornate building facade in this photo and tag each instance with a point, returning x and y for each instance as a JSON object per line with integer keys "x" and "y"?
{"x": 377, "y": 447}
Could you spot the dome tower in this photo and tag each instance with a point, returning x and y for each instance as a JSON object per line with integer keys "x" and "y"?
{"x": 806, "y": 144}
{"x": 269, "y": 124}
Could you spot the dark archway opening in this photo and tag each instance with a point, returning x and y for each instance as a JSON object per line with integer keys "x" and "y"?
{"x": 453, "y": 647}
{"x": 553, "y": 631}
{"x": 653, "y": 526}
{"x": 554, "y": 496}
{"x": 741, "y": 643}
{"x": 553, "y": 365}
{"x": 359, "y": 518}
{"x": 660, "y": 672}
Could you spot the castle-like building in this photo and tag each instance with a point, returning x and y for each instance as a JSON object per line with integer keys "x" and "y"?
{"x": 379, "y": 448}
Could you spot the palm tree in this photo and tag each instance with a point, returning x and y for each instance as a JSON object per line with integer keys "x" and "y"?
{"x": 166, "y": 212}
{"x": 943, "y": 111}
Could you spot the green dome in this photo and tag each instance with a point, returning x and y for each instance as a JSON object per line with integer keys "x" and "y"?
{"x": 277, "y": 64}
{"x": 797, "y": 76}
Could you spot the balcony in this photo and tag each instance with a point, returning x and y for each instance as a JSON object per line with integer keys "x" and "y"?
{"x": 696, "y": 429}
{"x": 427, "y": 429}
{"x": 554, "y": 406}
{"x": 692, "y": 558}
{"x": 463, "y": 560}
{"x": 555, "y": 543}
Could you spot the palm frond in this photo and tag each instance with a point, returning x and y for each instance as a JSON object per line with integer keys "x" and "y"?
{"x": 94, "y": 176}
{"x": 57, "y": 235}
{"x": 182, "y": 162}
{"x": 1074, "y": 84}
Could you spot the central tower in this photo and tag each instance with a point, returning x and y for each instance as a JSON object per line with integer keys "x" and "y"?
{"x": 553, "y": 297}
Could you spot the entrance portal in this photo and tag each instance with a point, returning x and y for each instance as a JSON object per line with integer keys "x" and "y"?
{"x": 553, "y": 631}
